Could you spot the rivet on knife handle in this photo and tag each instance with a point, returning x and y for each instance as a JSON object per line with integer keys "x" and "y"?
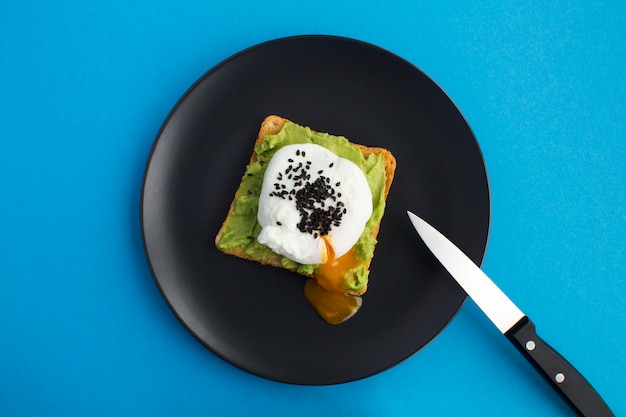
{"x": 562, "y": 376}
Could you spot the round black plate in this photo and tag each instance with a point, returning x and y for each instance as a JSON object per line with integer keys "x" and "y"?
{"x": 255, "y": 316}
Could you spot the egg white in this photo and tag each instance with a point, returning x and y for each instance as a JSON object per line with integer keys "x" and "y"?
{"x": 279, "y": 216}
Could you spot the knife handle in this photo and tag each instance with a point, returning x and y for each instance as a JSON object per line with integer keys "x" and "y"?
{"x": 559, "y": 373}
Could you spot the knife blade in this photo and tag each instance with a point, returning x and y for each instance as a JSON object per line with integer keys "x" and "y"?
{"x": 514, "y": 324}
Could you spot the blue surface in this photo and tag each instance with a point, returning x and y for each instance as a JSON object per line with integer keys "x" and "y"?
{"x": 84, "y": 88}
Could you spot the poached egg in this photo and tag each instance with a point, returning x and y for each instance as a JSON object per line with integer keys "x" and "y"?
{"x": 313, "y": 205}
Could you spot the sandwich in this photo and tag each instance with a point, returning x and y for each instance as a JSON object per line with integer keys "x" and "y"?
{"x": 311, "y": 203}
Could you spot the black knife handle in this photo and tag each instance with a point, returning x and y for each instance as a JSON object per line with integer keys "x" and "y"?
{"x": 559, "y": 373}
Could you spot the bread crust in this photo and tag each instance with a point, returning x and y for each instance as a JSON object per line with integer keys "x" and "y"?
{"x": 271, "y": 125}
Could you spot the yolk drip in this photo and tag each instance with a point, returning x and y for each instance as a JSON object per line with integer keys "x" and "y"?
{"x": 331, "y": 275}
{"x": 326, "y": 293}
{"x": 334, "y": 307}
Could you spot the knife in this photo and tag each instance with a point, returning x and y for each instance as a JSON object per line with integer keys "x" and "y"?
{"x": 514, "y": 324}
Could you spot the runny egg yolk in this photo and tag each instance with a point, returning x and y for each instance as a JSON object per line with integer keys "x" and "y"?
{"x": 333, "y": 307}
{"x": 331, "y": 274}
{"x": 326, "y": 293}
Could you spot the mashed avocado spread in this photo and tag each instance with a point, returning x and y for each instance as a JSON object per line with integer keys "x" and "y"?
{"x": 242, "y": 227}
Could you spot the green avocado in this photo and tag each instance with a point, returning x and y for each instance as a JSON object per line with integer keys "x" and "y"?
{"x": 242, "y": 228}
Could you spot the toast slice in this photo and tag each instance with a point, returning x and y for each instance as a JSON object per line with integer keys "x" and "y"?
{"x": 237, "y": 235}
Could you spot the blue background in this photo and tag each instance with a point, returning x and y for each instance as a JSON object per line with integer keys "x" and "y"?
{"x": 84, "y": 88}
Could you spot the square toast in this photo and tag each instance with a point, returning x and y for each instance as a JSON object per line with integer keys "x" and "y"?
{"x": 272, "y": 125}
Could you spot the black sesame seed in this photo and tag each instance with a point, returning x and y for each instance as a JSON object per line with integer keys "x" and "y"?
{"x": 331, "y": 165}
{"x": 320, "y": 171}
{"x": 338, "y": 184}
{"x": 298, "y": 152}
{"x": 279, "y": 223}
{"x": 303, "y": 153}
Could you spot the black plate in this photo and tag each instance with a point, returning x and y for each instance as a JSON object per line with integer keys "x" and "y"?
{"x": 255, "y": 316}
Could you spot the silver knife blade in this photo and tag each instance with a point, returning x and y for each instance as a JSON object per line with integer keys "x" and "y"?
{"x": 485, "y": 293}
